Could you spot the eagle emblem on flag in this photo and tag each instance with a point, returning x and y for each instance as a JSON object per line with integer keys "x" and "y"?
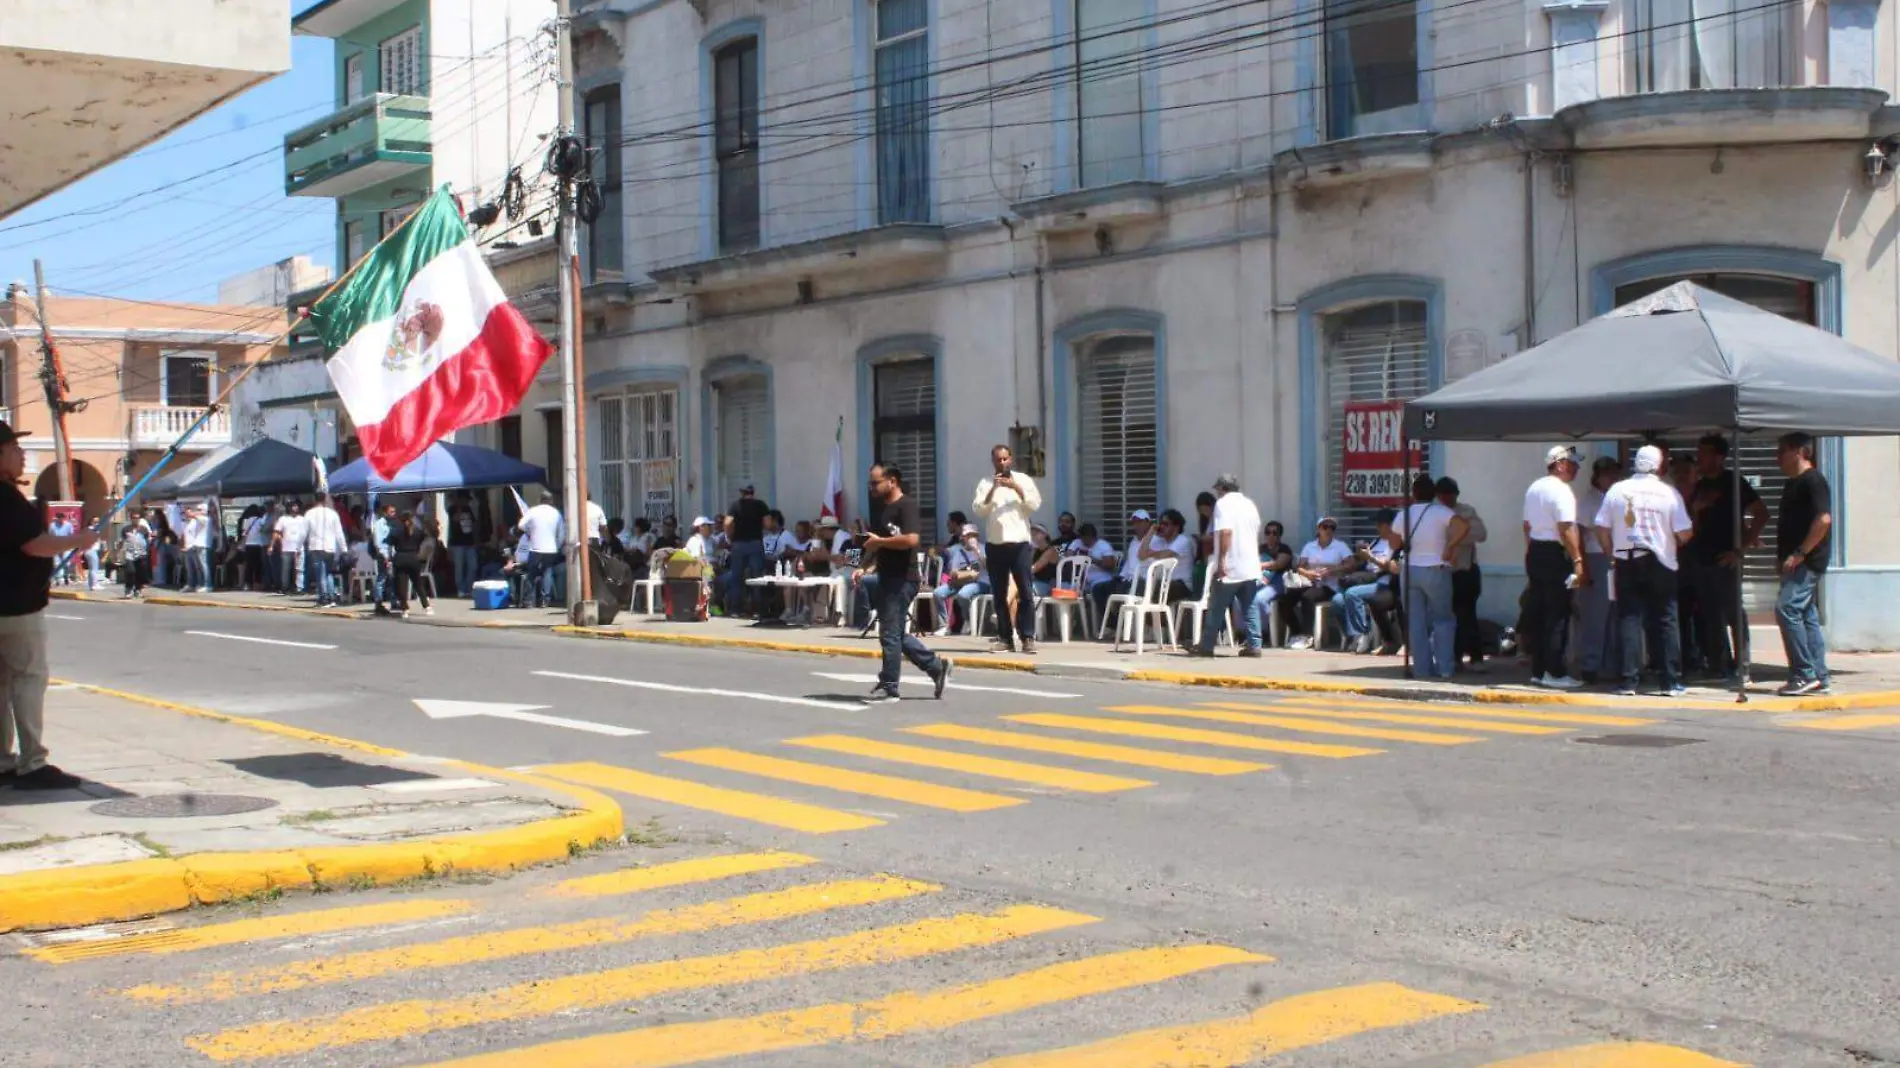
{"x": 414, "y": 337}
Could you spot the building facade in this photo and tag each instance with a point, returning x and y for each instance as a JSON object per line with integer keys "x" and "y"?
{"x": 145, "y": 373}
{"x": 274, "y": 284}
{"x": 1150, "y": 240}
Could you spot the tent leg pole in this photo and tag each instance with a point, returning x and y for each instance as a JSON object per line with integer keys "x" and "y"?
{"x": 1405, "y": 489}
{"x": 1741, "y": 603}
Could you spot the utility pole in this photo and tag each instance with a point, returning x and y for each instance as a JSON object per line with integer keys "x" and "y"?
{"x": 570, "y": 167}
{"x": 54, "y": 379}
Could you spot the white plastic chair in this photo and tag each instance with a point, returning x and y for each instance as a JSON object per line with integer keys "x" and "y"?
{"x": 1071, "y": 574}
{"x": 653, "y": 584}
{"x": 1327, "y": 620}
{"x": 1195, "y": 613}
{"x": 1117, "y": 601}
{"x": 931, "y": 568}
{"x": 1151, "y": 601}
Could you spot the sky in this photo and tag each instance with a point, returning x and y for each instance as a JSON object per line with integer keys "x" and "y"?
{"x": 177, "y": 244}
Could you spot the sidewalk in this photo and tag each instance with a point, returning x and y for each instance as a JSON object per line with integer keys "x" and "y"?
{"x": 181, "y": 807}
{"x": 1861, "y": 680}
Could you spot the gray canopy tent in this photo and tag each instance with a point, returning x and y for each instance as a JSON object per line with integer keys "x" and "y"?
{"x": 1682, "y": 360}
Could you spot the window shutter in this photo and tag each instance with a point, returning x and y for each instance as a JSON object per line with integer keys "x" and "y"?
{"x": 1372, "y": 354}
{"x": 907, "y": 396}
{"x": 1120, "y": 459}
{"x": 610, "y": 493}
{"x": 742, "y": 444}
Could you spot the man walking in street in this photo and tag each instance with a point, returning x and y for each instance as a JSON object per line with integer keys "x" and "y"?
{"x": 1804, "y": 539}
{"x": 745, "y": 529}
{"x": 27, "y": 551}
{"x": 1554, "y": 565}
{"x": 1233, "y": 568}
{"x": 893, "y": 542}
{"x": 542, "y": 526}
{"x": 1642, "y": 524}
{"x": 1005, "y": 501}
{"x": 1714, "y": 553}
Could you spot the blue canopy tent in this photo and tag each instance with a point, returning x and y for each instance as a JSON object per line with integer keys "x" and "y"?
{"x": 445, "y": 466}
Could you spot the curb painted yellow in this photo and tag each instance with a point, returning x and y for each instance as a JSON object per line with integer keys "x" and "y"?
{"x": 710, "y": 642}
{"x": 98, "y": 893}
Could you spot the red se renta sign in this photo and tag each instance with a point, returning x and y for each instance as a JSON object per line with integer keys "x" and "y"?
{"x": 1375, "y": 460}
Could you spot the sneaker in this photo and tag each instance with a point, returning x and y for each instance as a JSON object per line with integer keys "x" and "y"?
{"x": 1624, "y": 691}
{"x": 428, "y": 610}
{"x": 941, "y": 676}
{"x": 1001, "y": 646}
{"x": 1559, "y": 682}
{"x": 1300, "y": 642}
{"x": 1199, "y": 653}
{"x": 1249, "y": 653}
{"x": 46, "y": 777}
{"x": 1800, "y": 688}
{"x": 1678, "y": 690}
{"x": 880, "y": 694}
{"x": 940, "y": 632}
{"x": 1029, "y": 647}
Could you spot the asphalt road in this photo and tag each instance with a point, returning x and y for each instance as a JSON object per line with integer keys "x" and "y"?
{"x": 1457, "y": 888}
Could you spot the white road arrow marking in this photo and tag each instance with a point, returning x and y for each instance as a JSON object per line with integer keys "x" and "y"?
{"x": 809, "y": 702}
{"x": 867, "y": 679}
{"x": 518, "y": 713}
{"x": 260, "y": 641}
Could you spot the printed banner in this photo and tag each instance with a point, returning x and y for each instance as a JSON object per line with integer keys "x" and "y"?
{"x": 1374, "y": 460}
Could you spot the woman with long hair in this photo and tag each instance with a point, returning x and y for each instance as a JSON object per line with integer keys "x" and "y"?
{"x": 405, "y": 543}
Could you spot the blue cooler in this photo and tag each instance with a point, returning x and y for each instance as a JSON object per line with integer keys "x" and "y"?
{"x": 490, "y": 595}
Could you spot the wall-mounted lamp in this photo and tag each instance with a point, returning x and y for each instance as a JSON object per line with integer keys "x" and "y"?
{"x": 1876, "y": 161}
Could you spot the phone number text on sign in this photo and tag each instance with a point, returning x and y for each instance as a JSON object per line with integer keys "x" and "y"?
{"x": 1376, "y": 454}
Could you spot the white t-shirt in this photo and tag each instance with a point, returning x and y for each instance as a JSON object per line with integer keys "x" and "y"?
{"x": 1316, "y": 557}
{"x": 542, "y": 525}
{"x": 1589, "y": 503}
{"x": 596, "y": 521}
{"x": 1183, "y": 549}
{"x": 1644, "y": 512}
{"x": 699, "y": 547}
{"x": 294, "y": 529}
{"x": 1132, "y": 564}
{"x": 1234, "y": 512}
{"x": 197, "y": 529}
{"x": 841, "y": 543}
{"x": 1548, "y": 502}
{"x": 1099, "y": 554}
{"x": 1427, "y": 525}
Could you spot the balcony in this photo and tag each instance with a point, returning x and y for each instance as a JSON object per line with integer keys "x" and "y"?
{"x": 373, "y": 140}
{"x": 336, "y": 18}
{"x": 156, "y": 426}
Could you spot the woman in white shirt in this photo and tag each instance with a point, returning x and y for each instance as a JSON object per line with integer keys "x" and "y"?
{"x": 1319, "y": 565}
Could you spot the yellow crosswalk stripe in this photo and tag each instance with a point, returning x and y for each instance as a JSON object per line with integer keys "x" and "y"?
{"x": 759, "y": 808}
{"x": 677, "y": 873}
{"x": 523, "y": 941}
{"x": 906, "y": 1013}
{"x": 296, "y": 925}
{"x": 1581, "y": 719}
{"x": 989, "y": 767}
{"x": 1279, "y": 1027}
{"x": 1851, "y": 723}
{"x": 1617, "y": 1055}
{"x": 1298, "y": 723}
{"x": 1131, "y": 728}
{"x": 553, "y": 996}
{"x": 1464, "y": 722}
{"x": 1120, "y": 754}
{"x": 888, "y": 787}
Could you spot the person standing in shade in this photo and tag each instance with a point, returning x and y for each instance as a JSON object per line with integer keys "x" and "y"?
{"x": 463, "y": 539}
{"x": 27, "y": 550}
{"x": 1804, "y": 539}
{"x": 293, "y": 530}
{"x": 1555, "y": 567}
{"x": 1004, "y": 502}
{"x": 1715, "y": 554}
{"x": 1431, "y": 532}
{"x": 894, "y": 541}
{"x": 745, "y": 530}
{"x": 1596, "y": 625}
{"x": 324, "y": 548}
{"x": 1467, "y": 582}
{"x": 1233, "y": 568}
{"x": 1642, "y": 524}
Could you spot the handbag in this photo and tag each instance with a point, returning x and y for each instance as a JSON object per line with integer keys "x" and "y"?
{"x": 1293, "y": 580}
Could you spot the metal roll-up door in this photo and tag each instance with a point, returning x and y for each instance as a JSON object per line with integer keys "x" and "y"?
{"x": 1375, "y": 353}
{"x": 1120, "y": 459}
{"x": 744, "y": 451}
{"x": 907, "y": 430}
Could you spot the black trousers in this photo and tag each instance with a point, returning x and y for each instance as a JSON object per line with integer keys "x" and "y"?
{"x": 1547, "y": 610}
{"x": 1296, "y": 608}
{"x": 1009, "y": 562}
{"x": 1466, "y": 588}
{"x": 1717, "y": 615}
{"x": 1646, "y": 594}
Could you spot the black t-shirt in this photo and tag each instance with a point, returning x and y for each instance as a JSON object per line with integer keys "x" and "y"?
{"x": 24, "y": 580}
{"x": 462, "y": 527}
{"x": 898, "y": 517}
{"x": 1805, "y": 497}
{"x": 748, "y": 519}
{"x": 1715, "y": 524}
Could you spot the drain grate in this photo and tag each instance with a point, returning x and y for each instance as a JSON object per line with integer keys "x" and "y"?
{"x": 180, "y": 806}
{"x": 1639, "y": 741}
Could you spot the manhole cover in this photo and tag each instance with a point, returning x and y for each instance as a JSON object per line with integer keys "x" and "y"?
{"x": 1639, "y": 741}
{"x": 175, "y": 806}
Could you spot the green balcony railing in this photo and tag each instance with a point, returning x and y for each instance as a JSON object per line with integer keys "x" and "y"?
{"x": 373, "y": 140}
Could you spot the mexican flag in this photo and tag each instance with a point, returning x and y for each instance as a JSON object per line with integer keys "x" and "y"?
{"x": 425, "y": 341}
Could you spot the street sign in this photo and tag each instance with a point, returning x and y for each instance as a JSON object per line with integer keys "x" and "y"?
{"x": 1375, "y": 455}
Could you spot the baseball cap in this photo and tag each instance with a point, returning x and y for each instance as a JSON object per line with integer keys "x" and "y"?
{"x": 1141, "y": 514}
{"x": 747, "y": 491}
{"x": 1327, "y": 521}
{"x": 702, "y": 521}
{"x": 829, "y": 522}
{"x": 970, "y": 531}
{"x": 1560, "y": 453}
{"x": 8, "y": 435}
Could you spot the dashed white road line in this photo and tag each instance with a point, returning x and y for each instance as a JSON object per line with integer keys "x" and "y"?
{"x": 808, "y": 702}
{"x": 260, "y": 641}
{"x": 71, "y": 619}
{"x": 868, "y": 679}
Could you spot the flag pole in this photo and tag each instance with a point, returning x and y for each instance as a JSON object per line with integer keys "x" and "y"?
{"x": 231, "y": 386}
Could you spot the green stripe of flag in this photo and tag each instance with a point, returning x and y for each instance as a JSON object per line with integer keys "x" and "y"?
{"x": 374, "y": 292}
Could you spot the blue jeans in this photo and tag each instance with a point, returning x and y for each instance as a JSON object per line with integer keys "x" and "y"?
{"x": 92, "y": 567}
{"x": 317, "y": 563}
{"x": 1798, "y": 612}
{"x": 541, "y": 573}
{"x": 893, "y": 601}
{"x": 1355, "y": 615}
{"x": 1431, "y": 622}
{"x": 465, "y": 562}
{"x": 1263, "y": 606}
{"x": 1220, "y": 604}
{"x": 747, "y": 560}
{"x": 197, "y": 569}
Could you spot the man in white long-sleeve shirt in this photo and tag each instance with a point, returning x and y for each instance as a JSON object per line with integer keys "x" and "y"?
{"x": 1004, "y": 502}
{"x": 197, "y": 541}
{"x": 324, "y": 546}
{"x": 544, "y": 530}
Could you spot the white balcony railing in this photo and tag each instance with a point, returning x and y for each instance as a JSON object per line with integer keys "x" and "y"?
{"x": 156, "y": 426}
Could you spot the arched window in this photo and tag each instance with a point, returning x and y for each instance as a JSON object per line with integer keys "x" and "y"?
{"x": 1119, "y": 460}
{"x": 1372, "y": 352}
